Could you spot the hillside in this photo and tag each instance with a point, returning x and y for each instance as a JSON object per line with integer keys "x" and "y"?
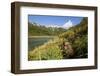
{"x": 72, "y": 43}
{"x": 78, "y": 38}
{"x": 39, "y": 30}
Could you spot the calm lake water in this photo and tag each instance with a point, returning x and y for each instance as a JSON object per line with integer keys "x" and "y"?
{"x": 37, "y": 41}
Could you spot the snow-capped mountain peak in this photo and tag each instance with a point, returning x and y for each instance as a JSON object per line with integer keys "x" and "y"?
{"x": 68, "y": 24}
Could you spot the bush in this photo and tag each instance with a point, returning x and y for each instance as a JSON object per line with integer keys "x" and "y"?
{"x": 52, "y": 52}
{"x": 48, "y": 51}
{"x": 80, "y": 46}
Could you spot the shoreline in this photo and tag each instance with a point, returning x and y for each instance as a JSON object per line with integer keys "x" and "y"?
{"x": 41, "y": 36}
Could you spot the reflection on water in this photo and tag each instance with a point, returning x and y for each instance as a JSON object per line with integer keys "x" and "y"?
{"x": 37, "y": 41}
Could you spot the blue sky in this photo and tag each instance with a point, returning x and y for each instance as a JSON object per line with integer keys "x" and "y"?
{"x": 55, "y": 20}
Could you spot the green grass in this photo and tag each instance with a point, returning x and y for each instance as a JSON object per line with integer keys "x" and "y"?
{"x": 49, "y": 50}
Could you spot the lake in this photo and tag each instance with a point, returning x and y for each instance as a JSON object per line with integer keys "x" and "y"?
{"x": 35, "y": 41}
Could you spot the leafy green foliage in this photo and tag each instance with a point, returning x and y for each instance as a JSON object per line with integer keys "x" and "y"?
{"x": 77, "y": 36}
{"x": 81, "y": 51}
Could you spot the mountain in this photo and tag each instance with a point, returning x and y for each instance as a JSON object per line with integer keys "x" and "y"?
{"x": 67, "y": 25}
{"x": 35, "y": 29}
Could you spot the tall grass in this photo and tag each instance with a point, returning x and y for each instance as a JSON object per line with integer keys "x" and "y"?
{"x": 49, "y": 50}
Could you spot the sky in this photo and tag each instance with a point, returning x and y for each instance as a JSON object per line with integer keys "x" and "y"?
{"x": 54, "y": 20}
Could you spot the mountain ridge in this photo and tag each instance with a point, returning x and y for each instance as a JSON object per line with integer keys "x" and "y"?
{"x": 35, "y": 29}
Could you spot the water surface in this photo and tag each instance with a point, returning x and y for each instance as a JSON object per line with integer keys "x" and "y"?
{"x": 37, "y": 41}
